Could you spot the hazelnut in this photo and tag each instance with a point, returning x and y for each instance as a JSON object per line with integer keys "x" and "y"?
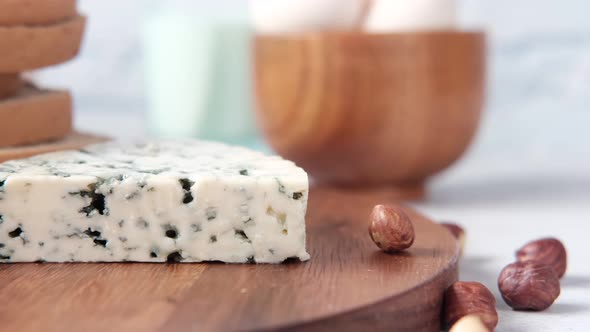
{"x": 470, "y": 298}
{"x": 469, "y": 323}
{"x": 528, "y": 285}
{"x": 390, "y": 228}
{"x": 548, "y": 251}
{"x": 457, "y": 231}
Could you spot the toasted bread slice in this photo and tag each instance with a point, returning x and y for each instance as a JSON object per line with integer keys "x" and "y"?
{"x": 26, "y": 47}
{"x": 10, "y": 84}
{"x": 32, "y": 12}
{"x": 33, "y": 115}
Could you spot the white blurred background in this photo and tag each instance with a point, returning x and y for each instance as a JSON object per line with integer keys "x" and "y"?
{"x": 539, "y": 52}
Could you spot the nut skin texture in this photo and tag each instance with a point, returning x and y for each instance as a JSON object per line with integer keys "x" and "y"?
{"x": 390, "y": 228}
{"x": 549, "y": 251}
{"x": 529, "y": 285}
{"x": 470, "y": 298}
{"x": 469, "y": 323}
{"x": 457, "y": 231}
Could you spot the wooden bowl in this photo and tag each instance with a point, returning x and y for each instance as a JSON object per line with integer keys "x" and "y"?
{"x": 370, "y": 109}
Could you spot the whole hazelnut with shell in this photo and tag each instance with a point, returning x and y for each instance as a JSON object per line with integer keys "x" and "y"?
{"x": 390, "y": 228}
{"x": 549, "y": 251}
{"x": 529, "y": 285}
{"x": 470, "y": 298}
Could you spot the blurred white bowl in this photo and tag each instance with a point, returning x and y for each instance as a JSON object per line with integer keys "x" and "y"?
{"x": 409, "y": 15}
{"x": 284, "y": 16}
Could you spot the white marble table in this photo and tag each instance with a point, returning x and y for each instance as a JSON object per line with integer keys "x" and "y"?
{"x": 519, "y": 181}
{"x": 527, "y": 176}
{"x": 506, "y": 204}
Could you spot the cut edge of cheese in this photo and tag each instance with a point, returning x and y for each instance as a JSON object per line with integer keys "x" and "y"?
{"x": 165, "y": 201}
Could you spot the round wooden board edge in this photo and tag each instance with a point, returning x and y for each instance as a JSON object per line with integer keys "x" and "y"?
{"x": 385, "y": 314}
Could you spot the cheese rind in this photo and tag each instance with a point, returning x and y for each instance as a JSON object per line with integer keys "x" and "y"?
{"x": 185, "y": 201}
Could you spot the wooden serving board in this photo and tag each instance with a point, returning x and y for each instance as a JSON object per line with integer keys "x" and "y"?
{"x": 348, "y": 285}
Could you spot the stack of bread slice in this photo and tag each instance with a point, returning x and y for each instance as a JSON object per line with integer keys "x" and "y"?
{"x": 36, "y": 34}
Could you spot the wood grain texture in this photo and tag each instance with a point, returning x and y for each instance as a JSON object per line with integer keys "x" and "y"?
{"x": 348, "y": 285}
{"x": 36, "y": 46}
{"x": 73, "y": 140}
{"x": 358, "y": 109}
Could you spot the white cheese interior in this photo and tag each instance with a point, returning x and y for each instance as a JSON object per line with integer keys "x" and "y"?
{"x": 186, "y": 201}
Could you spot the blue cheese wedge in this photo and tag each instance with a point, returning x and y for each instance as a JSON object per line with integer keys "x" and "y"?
{"x": 175, "y": 201}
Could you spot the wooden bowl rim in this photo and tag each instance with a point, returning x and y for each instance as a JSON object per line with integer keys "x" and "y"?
{"x": 447, "y": 33}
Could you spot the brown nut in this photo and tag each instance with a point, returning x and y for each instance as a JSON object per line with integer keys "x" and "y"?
{"x": 457, "y": 232}
{"x": 549, "y": 251}
{"x": 469, "y": 323}
{"x": 390, "y": 228}
{"x": 470, "y": 298}
{"x": 529, "y": 285}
